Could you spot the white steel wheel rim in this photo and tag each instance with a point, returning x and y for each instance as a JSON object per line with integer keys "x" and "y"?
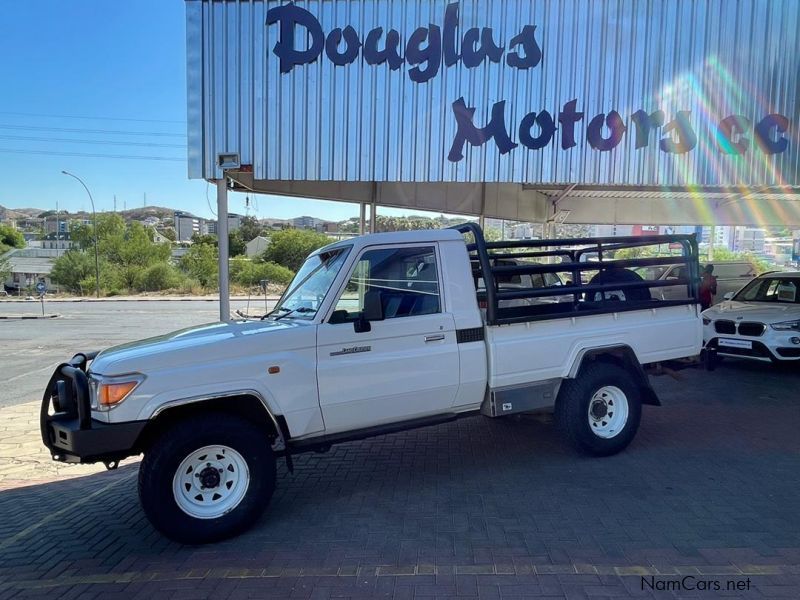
{"x": 210, "y": 482}
{"x": 608, "y": 412}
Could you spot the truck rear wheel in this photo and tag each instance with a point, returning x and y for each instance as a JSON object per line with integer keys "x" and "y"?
{"x": 207, "y": 478}
{"x": 600, "y": 410}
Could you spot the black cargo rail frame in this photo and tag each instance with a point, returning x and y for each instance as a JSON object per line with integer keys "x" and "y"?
{"x": 484, "y": 254}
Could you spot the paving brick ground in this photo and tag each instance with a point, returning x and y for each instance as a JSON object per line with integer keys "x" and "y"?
{"x": 477, "y": 508}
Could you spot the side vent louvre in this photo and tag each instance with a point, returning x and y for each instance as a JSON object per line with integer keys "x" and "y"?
{"x": 464, "y": 336}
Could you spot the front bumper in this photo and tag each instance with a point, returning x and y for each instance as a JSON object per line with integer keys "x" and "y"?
{"x": 66, "y": 423}
{"x": 760, "y": 350}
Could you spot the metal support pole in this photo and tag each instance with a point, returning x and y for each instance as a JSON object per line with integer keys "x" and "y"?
{"x": 362, "y": 218}
{"x": 373, "y": 213}
{"x": 711, "y": 241}
{"x": 94, "y": 226}
{"x": 222, "y": 242}
{"x": 482, "y": 216}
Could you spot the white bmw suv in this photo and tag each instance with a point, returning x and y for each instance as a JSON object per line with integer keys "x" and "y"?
{"x": 760, "y": 322}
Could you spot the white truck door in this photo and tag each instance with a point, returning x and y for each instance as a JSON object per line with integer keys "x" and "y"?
{"x": 406, "y": 366}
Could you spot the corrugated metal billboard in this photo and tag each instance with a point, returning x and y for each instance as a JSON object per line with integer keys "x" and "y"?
{"x": 622, "y": 92}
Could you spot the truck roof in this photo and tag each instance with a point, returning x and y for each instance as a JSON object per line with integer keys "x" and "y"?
{"x": 398, "y": 237}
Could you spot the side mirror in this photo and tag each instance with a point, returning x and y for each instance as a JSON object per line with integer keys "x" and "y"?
{"x": 361, "y": 324}
{"x": 373, "y": 306}
{"x": 728, "y": 296}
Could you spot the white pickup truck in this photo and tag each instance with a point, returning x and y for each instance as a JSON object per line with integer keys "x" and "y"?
{"x": 376, "y": 334}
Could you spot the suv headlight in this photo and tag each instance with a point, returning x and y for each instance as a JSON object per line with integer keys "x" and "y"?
{"x": 786, "y": 326}
{"x": 706, "y": 321}
{"x": 108, "y": 392}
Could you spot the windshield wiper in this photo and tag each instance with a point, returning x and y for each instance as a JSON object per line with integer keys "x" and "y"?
{"x": 273, "y": 311}
{"x": 301, "y": 309}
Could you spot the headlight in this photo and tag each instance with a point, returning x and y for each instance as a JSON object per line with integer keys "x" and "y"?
{"x": 706, "y": 321}
{"x": 107, "y": 392}
{"x": 786, "y": 326}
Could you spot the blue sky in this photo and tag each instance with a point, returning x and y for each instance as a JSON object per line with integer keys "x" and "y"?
{"x": 124, "y": 68}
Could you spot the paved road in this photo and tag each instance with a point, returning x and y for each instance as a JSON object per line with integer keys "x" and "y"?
{"x": 479, "y": 508}
{"x": 31, "y": 349}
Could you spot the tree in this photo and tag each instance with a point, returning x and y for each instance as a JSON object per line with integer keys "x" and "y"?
{"x": 250, "y": 228}
{"x": 11, "y": 237}
{"x": 5, "y": 267}
{"x": 129, "y": 258}
{"x": 290, "y": 247}
{"x": 205, "y": 238}
{"x": 73, "y": 267}
{"x": 200, "y": 263}
{"x": 725, "y": 255}
{"x": 110, "y": 229}
{"x": 236, "y": 243}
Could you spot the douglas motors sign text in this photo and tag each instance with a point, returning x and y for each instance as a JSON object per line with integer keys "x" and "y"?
{"x": 431, "y": 48}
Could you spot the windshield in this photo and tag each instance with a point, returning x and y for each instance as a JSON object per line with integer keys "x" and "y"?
{"x": 309, "y": 287}
{"x": 770, "y": 289}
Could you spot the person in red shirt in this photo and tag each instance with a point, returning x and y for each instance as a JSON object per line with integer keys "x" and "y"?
{"x": 708, "y": 287}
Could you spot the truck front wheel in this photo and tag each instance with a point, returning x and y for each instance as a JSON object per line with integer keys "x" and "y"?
{"x": 600, "y": 410}
{"x": 207, "y": 478}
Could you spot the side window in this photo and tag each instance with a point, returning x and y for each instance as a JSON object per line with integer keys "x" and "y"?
{"x": 551, "y": 279}
{"x": 676, "y": 273}
{"x": 405, "y": 280}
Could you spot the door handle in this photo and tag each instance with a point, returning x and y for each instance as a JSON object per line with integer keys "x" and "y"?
{"x": 438, "y": 337}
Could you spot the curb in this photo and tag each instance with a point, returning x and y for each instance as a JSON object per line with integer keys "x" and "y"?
{"x": 28, "y": 317}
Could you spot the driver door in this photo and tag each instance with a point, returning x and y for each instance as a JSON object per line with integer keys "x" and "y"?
{"x": 407, "y": 365}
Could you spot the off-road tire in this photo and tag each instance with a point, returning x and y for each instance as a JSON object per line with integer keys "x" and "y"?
{"x": 574, "y": 401}
{"x": 166, "y": 454}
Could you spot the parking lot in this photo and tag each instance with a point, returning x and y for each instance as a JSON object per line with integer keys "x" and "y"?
{"x": 705, "y": 497}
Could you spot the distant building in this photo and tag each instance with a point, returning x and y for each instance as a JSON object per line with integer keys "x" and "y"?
{"x": 611, "y": 230}
{"x": 28, "y": 267}
{"x": 306, "y": 222}
{"x": 160, "y": 238}
{"x": 256, "y": 246}
{"x": 749, "y": 239}
{"x": 276, "y": 224}
{"x": 62, "y": 241}
{"x": 187, "y": 225}
{"x": 234, "y": 223}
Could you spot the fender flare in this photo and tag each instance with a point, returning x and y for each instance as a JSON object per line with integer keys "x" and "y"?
{"x": 624, "y": 356}
{"x": 281, "y": 442}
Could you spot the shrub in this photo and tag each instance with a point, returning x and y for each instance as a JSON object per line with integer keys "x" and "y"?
{"x": 71, "y": 269}
{"x": 157, "y": 277}
{"x": 200, "y": 263}
{"x": 290, "y": 247}
{"x": 249, "y": 273}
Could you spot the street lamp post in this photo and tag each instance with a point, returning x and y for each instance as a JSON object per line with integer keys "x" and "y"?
{"x": 94, "y": 227}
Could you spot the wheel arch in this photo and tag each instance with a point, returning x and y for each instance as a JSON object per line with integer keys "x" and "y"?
{"x": 247, "y": 404}
{"x": 622, "y": 356}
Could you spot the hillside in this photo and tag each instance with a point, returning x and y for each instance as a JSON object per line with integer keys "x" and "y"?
{"x": 132, "y": 214}
{"x": 18, "y": 213}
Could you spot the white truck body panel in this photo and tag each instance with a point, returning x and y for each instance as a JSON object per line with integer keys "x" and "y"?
{"x": 220, "y": 359}
{"x": 540, "y": 350}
